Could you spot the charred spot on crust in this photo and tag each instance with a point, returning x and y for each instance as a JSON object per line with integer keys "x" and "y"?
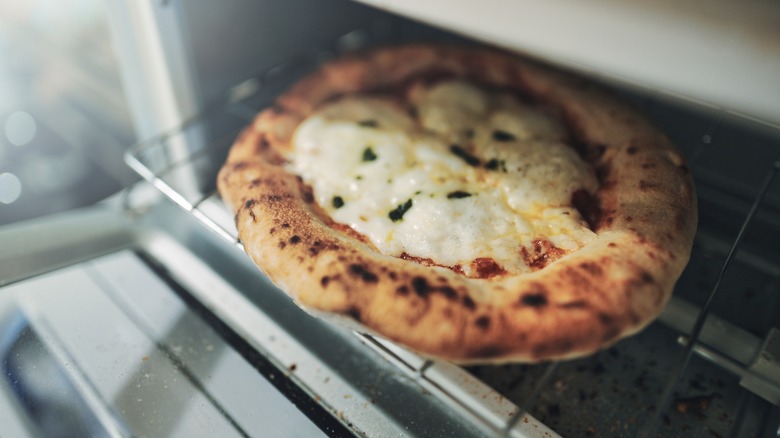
{"x": 594, "y": 152}
{"x": 534, "y": 299}
{"x": 448, "y": 292}
{"x": 588, "y": 207}
{"x": 319, "y": 246}
{"x": 324, "y": 281}
{"x": 285, "y": 225}
{"x": 248, "y": 206}
{"x": 483, "y": 322}
{"x": 295, "y": 239}
{"x": 402, "y": 290}
{"x": 364, "y": 274}
{"x": 307, "y": 194}
{"x": 282, "y": 244}
{"x": 263, "y": 143}
{"x": 577, "y": 304}
{"x": 591, "y": 268}
{"x": 645, "y": 185}
{"x": 354, "y": 313}
{"x": 605, "y": 318}
{"x": 603, "y": 171}
{"x": 646, "y": 277}
{"x": 422, "y": 288}
{"x": 632, "y": 150}
{"x": 468, "y": 302}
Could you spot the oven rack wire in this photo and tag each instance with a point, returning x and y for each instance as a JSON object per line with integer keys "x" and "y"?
{"x": 182, "y": 164}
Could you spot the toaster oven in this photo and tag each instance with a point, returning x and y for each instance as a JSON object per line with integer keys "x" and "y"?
{"x": 142, "y": 316}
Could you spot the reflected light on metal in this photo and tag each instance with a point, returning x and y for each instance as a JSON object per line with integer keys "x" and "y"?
{"x": 10, "y": 188}
{"x": 20, "y": 128}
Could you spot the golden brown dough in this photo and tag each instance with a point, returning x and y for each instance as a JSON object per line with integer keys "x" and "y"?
{"x": 644, "y": 215}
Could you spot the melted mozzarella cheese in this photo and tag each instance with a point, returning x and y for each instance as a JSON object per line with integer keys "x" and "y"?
{"x": 477, "y": 175}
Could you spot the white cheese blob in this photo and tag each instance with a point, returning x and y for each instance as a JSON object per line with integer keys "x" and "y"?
{"x": 476, "y": 175}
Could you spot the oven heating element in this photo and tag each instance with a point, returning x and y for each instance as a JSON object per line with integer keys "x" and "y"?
{"x": 183, "y": 163}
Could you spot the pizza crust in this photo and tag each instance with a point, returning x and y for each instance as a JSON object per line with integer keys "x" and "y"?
{"x": 644, "y": 215}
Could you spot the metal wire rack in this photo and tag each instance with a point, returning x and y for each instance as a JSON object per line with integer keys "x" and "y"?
{"x": 183, "y": 163}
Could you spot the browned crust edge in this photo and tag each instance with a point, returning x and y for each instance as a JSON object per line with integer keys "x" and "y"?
{"x": 586, "y": 301}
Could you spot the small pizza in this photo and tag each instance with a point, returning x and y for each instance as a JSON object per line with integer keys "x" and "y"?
{"x": 465, "y": 203}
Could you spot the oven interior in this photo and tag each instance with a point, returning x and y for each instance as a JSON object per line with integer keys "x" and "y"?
{"x": 207, "y": 343}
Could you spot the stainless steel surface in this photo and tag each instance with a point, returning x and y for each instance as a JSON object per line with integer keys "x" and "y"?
{"x": 462, "y": 392}
{"x": 106, "y": 347}
{"x": 767, "y": 367}
{"x": 713, "y": 52}
{"x": 756, "y": 381}
{"x": 727, "y": 338}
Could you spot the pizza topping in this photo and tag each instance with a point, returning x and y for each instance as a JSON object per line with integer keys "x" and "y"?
{"x": 398, "y": 213}
{"x": 512, "y": 272}
{"x": 499, "y": 135}
{"x": 486, "y": 267}
{"x": 482, "y": 267}
{"x": 541, "y": 254}
{"x": 368, "y": 154}
{"x": 496, "y": 164}
{"x": 463, "y": 141}
{"x": 458, "y": 194}
{"x": 368, "y": 123}
{"x": 463, "y": 154}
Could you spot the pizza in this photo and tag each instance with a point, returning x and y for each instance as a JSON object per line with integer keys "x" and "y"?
{"x": 466, "y": 203}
